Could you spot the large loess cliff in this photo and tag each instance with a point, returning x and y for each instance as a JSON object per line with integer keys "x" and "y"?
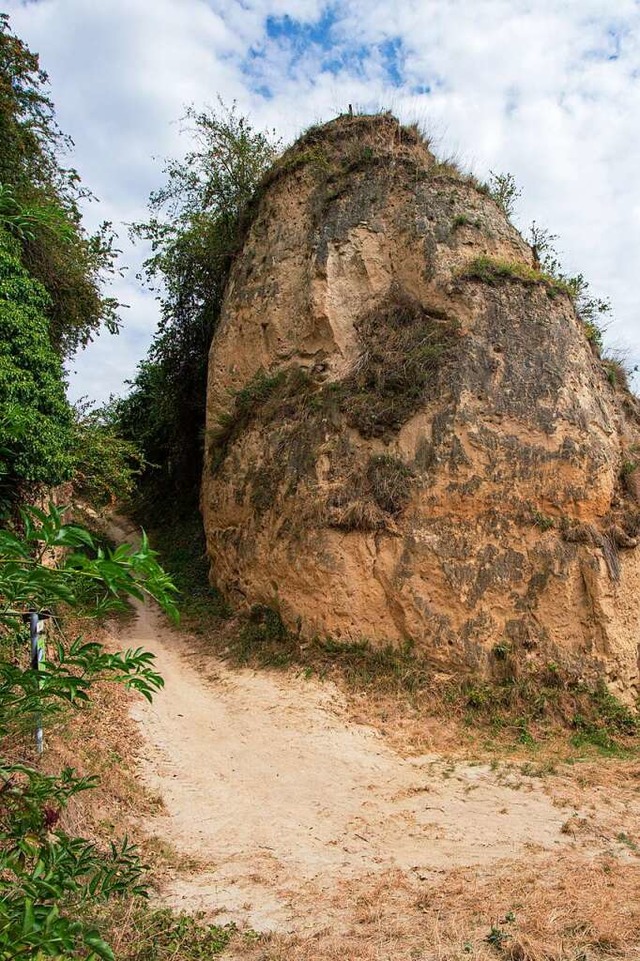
{"x": 409, "y": 435}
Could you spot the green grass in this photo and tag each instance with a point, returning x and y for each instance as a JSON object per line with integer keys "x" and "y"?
{"x": 538, "y": 704}
{"x": 493, "y": 271}
{"x": 542, "y": 521}
{"x": 139, "y": 932}
{"x": 263, "y": 639}
{"x": 182, "y": 552}
{"x": 464, "y": 220}
{"x": 389, "y": 668}
{"x": 628, "y": 842}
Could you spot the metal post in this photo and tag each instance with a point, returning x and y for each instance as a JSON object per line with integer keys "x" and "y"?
{"x": 36, "y": 654}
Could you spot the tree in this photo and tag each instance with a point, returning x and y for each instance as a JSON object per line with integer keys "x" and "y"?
{"x": 195, "y": 229}
{"x": 504, "y": 190}
{"x": 104, "y": 465}
{"x": 591, "y": 310}
{"x": 39, "y": 203}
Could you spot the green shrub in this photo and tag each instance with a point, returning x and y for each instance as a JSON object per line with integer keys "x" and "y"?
{"x": 50, "y": 880}
{"x": 504, "y": 190}
{"x": 36, "y": 422}
{"x": 104, "y": 465}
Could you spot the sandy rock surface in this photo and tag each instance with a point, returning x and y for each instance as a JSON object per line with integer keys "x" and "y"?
{"x": 402, "y": 447}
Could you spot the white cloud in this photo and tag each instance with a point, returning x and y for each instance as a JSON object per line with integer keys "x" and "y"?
{"x": 549, "y": 91}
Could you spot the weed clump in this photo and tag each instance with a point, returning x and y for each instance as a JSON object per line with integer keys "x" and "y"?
{"x": 464, "y": 220}
{"x": 390, "y": 482}
{"x": 616, "y": 372}
{"x": 404, "y": 349}
{"x": 540, "y": 699}
{"x": 371, "y": 496}
{"x": 142, "y": 933}
{"x": 392, "y": 668}
{"x": 349, "y": 511}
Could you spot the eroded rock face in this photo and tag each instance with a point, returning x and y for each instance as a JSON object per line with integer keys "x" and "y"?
{"x": 405, "y": 439}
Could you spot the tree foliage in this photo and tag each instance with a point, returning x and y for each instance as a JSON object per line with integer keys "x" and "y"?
{"x": 105, "y": 466}
{"x": 50, "y": 302}
{"x": 39, "y": 203}
{"x": 504, "y": 190}
{"x": 51, "y": 275}
{"x": 51, "y": 880}
{"x": 194, "y": 229}
{"x": 35, "y": 418}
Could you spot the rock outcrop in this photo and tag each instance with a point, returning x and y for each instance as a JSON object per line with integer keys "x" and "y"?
{"x": 409, "y": 434}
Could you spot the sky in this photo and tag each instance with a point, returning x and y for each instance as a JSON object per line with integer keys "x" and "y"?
{"x": 547, "y": 90}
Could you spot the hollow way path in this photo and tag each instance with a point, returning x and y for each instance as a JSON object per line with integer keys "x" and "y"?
{"x": 279, "y": 799}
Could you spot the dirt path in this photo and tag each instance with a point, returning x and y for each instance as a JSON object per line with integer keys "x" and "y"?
{"x": 280, "y": 797}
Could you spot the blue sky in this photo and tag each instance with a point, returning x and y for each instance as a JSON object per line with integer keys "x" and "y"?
{"x": 549, "y": 91}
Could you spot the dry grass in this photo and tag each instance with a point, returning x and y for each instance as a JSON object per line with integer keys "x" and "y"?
{"x": 568, "y": 909}
{"x": 371, "y": 497}
{"x": 101, "y": 740}
{"x": 404, "y": 351}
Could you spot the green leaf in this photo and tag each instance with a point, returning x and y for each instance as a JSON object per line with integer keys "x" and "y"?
{"x": 100, "y": 947}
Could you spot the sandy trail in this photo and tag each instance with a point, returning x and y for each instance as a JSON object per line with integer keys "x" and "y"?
{"x": 281, "y": 798}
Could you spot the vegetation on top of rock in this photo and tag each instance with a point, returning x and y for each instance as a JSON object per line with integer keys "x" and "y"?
{"x": 503, "y": 189}
{"x": 493, "y": 270}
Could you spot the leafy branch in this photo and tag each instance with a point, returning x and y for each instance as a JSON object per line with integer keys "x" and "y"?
{"x": 49, "y": 880}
